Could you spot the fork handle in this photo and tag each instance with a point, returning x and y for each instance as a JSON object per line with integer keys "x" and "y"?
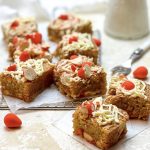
{"x": 138, "y": 53}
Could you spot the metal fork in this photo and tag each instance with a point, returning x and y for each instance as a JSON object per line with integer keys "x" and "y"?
{"x": 125, "y": 68}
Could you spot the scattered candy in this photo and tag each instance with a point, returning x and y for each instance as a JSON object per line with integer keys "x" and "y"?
{"x": 12, "y": 68}
{"x": 140, "y": 72}
{"x": 87, "y": 63}
{"x": 24, "y": 56}
{"x": 84, "y": 68}
{"x": 36, "y": 38}
{"x": 63, "y": 17}
{"x": 73, "y": 56}
{"x": 79, "y": 132}
{"x": 14, "y": 24}
{"x": 97, "y": 41}
{"x": 128, "y": 85}
{"x": 12, "y": 121}
{"x": 73, "y": 68}
{"x": 15, "y": 40}
{"x": 89, "y": 106}
{"x": 73, "y": 39}
{"x": 29, "y": 36}
{"x": 81, "y": 73}
{"x": 45, "y": 48}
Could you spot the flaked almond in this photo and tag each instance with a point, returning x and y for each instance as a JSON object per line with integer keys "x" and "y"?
{"x": 98, "y": 143}
{"x": 29, "y": 74}
{"x": 65, "y": 79}
{"x": 87, "y": 137}
{"x": 84, "y": 113}
{"x": 46, "y": 66}
{"x": 88, "y": 71}
{"x": 76, "y": 61}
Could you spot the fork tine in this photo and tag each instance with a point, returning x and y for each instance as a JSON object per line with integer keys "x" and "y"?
{"x": 120, "y": 70}
{"x": 119, "y": 73}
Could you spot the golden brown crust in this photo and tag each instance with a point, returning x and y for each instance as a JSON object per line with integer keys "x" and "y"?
{"x": 95, "y": 86}
{"x": 26, "y": 26}
{"x": 136, "y": 107}
{"x": 11, "y": 50}
{"x": 93, "y": 53}
{"x": 36, "y": 51}
{"x": 33, "y": 55}
{"x": 77, "y": 88}
{"x": 57, "y": 34}
{"x": 101, "y": 136}
{"x": 28, "y": 90}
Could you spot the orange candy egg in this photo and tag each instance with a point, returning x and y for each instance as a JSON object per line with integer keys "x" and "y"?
{"x": 128, "y": 85}
{"x": 140, "y": 72}
{"x": 12, "y": 121}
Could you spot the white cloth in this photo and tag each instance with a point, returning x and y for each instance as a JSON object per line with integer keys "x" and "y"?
{"x": 44, "y": 10}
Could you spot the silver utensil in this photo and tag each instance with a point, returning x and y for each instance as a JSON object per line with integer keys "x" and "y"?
{"x": 125, "y": 68}
{"x": 68, "y": 105}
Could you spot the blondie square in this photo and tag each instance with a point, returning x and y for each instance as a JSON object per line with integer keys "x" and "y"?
{"x": 66, "y": 24}
{"x": 131, "y": 95}
{"x": 32, "y": 43}
{"x": 26, "y": 79}
{"x": 18, "y": 27}
{"x": 100, "y": 124}
{"x": 77, "y": 44}
{"x": 79, "y": 77}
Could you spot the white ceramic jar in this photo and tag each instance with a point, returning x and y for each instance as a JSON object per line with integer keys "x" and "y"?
{"x": 127, "y": 19}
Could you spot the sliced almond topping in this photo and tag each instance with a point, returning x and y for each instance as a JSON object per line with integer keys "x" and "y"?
{"x": 29, "y": 74}
{"x": 46, "y": 66}
{"x": 88, "y": 71}
{"x": 84, "y": 113}
{"x": 87, "y": 137}
{"x": 76, "y": 61}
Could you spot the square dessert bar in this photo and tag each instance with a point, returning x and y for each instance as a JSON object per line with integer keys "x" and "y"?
{"x": 100, "y": 124}
{"x": 77, "y": 43}
{"x": 32, "y": 43}
{"x": 18, "y": 27}
{"x": 131, "y": 95}
{"x": 66, "y": 24}
{"x": 26, "y": 79}
{"x": 79, "y": 77}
